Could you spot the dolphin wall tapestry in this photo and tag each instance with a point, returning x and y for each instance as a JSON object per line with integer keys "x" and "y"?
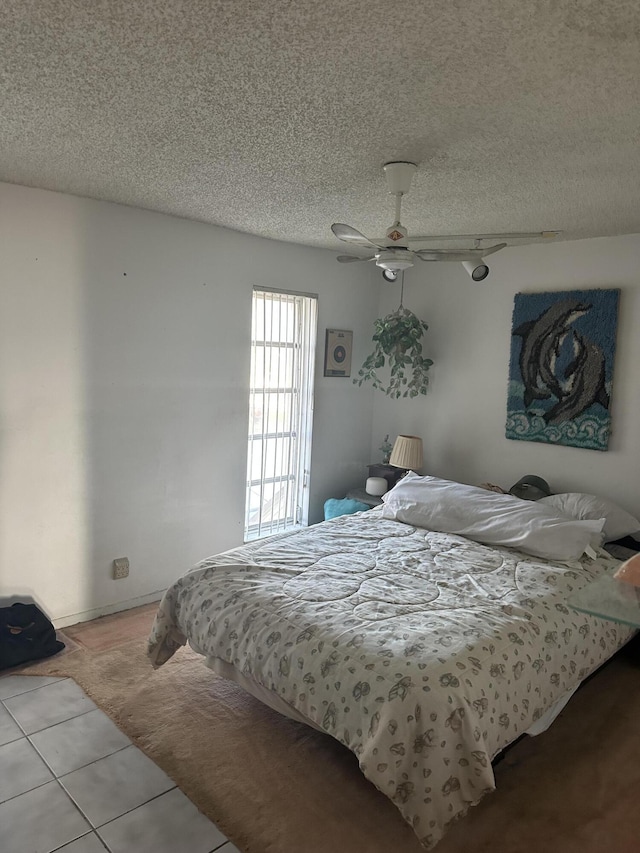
{"x": 561, "y": 368}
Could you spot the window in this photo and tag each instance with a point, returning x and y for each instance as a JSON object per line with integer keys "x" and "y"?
{"x": 283, "y": 342}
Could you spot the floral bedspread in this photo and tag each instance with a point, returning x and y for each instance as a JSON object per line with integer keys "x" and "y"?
{"x": 423, "y": 653}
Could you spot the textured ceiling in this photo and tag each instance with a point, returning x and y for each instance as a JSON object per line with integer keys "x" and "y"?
{"x": 275, "y": 118}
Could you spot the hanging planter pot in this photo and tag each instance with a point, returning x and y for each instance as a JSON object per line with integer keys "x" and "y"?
{"x": 398, "y": 346}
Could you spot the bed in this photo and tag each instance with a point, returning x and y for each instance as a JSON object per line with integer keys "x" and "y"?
{"x": 422, "y": 650}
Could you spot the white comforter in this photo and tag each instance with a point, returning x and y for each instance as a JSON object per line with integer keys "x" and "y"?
{"x": 424, "y": 653}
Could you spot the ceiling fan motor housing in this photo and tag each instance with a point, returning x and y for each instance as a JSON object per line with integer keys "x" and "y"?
{"x": 394, "y": 260}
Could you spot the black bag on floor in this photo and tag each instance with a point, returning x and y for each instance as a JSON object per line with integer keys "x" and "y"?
{"x": 25, "y": 634}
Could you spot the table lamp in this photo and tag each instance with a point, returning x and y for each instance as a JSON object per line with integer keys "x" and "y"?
{"x": 407, "y": 453}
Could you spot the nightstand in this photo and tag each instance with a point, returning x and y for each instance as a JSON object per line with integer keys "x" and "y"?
{"x": 362, "y": 496}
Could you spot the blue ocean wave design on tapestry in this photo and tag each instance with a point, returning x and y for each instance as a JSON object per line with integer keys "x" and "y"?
{"x": 561, "y": 367}
{"x": 588, "y": 431}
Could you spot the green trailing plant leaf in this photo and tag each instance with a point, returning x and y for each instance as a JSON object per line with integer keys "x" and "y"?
{"x": 397, "y": 345}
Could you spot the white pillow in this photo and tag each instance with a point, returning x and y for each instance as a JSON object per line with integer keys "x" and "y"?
{"x": 618, "y": 522}
{"x": 489, "y": 517}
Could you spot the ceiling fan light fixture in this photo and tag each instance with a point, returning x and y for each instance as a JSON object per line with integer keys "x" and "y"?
{"x": 478, "y": 270}
{"x": 390, "y": 275}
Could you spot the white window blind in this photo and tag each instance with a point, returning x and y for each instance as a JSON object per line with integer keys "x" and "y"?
{"x": 283, "y": 342}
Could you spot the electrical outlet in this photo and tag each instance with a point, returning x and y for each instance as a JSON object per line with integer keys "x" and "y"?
{"x": 120, "y": 568}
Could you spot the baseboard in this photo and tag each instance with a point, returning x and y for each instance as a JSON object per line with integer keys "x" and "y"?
{"x": 88, "y": 615}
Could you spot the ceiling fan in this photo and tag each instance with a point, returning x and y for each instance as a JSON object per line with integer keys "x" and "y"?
{"x": 395, "y": 252}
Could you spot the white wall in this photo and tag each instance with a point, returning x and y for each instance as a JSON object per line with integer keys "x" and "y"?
{"x": 124, "y": 364}
{"x": 462, "y": 419}
{"x": 123, "y": 398}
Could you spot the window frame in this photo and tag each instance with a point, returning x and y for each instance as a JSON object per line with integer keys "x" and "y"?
{"x": 294, "y": 439}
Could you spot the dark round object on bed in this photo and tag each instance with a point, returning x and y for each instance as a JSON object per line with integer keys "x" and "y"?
{"x": 530, "y": 488}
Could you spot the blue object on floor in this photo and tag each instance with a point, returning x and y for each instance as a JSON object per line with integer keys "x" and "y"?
{"x": 342, "y": 506}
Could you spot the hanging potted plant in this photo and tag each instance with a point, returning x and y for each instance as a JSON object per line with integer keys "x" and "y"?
{"x": 398, "y": 346}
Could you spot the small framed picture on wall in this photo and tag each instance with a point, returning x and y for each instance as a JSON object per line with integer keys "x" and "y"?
{"x": 337, "y": 352}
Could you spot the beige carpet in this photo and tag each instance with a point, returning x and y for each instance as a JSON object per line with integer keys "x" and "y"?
{"x": 275, "y": 786}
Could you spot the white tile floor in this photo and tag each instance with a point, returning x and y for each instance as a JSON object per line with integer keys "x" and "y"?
{"x": 73, "y": 783}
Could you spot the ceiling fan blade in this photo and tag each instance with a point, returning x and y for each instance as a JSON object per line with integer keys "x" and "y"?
{"x": 513, "y": 235}
{"x": 457, "y": 255}
{"x": 351, "y": 235}
{"x": 442, "y": 255}
{"x": 347, "y": 259}
{"x": 490, "y": 250}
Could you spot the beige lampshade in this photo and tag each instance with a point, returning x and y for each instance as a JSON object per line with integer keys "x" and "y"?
{"x": 407, "y": 452}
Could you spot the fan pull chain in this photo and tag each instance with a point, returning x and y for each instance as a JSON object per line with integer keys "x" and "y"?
{"x": 401, "y": 288}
